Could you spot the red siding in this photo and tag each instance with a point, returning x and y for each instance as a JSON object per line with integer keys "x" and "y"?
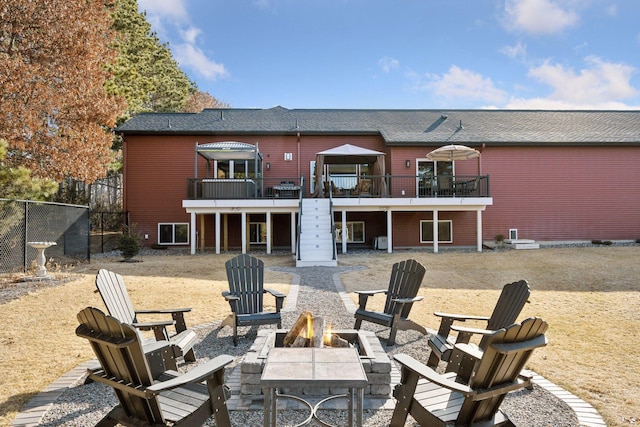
{"x": 547, "y": 193}
{"x": 558, "y": 193}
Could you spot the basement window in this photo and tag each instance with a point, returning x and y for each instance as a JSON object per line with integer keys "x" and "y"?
{"x": 353, "y": 234}
{"x": 445, "y": 232}
{"x": 173, "y": 233}
{"x": 258, "y": 232}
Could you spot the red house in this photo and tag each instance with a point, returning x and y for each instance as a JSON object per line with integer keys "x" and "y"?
{"x": 322, "y": 181}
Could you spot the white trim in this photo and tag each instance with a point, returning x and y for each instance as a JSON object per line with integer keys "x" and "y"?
{"x": 190, "y": 233}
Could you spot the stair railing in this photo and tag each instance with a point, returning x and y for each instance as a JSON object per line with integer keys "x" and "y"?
{"x": 333, "y": 225}
{"x": 299, "y": 227}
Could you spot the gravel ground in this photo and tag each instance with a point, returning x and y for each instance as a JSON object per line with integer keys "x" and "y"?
{"x": 86, "y": 404}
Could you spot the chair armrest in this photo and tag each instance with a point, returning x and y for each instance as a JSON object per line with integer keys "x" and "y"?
{"x": 364, "y": 295}
{"x": 370, "y": 293}
{"x": 430, "y": 375}
{"x": 165, "y": 311}
{"x": 464, "y": 333}
{"x": 177, "y": 314}
{"x": 275, "y": 293}
{"x": 407, "y": 300}
{"x": 447, "y": 320}
{"x": 279, "y": 298}
{"x": 195, "y": 375}
{"x": 147, "y": 326}
{"x": 460, "y": 317}
{"x": 476, "y": 331}
{"x": 229, "y": 296}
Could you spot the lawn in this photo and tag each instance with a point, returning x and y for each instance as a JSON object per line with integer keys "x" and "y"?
{"x": 589, "y": 296}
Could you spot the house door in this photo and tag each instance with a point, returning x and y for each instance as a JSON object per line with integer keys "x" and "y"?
{"x": 432, "y": 177}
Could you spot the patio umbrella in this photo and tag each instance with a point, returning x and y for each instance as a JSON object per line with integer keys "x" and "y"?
{"x": 453, "y": 152}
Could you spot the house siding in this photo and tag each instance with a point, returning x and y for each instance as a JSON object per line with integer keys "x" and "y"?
{"x": 563, "y": 193}
{"x": 546, "y": 178}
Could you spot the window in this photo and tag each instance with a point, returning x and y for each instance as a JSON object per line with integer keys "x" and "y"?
{"x": 258, "y": 232}
{"x": 354, "y": 233}
{"x": 445, "y": 234}
{"x": 173, "y": 234}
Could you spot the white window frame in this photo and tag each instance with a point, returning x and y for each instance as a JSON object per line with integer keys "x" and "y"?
{"x": 350, "y": 232}
{"x": 173, "y": 233}
{"x": 430, "y": 224}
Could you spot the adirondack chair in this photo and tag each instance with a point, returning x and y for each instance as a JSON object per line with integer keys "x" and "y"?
{"x": 438, "y": 400}
{"x": 116, "y": 298}
{"x": 245, "y": 295}
{"x": 406, "y": 278}
{"x": 510, "y": 303}
{"x": 172, "y": 399}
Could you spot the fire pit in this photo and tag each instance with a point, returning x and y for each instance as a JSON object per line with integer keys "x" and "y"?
{"x": 374, "y": 359}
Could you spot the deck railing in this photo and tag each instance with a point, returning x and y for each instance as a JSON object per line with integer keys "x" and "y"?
{"x": 377, "y": 186}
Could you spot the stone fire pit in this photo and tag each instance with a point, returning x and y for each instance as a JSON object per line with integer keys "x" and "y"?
{"x": 375, "y": 361}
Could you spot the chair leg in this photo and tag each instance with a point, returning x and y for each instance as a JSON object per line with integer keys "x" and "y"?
{"x": 235, "y": 335}
{"x": 434, "y": 360}
{"x": 358, "y": 324}
{"x": 190, "y": 356}
{"x": 392, "y": 336}
{"x": 404, "y": 395}
{"x": 218, "y": 400}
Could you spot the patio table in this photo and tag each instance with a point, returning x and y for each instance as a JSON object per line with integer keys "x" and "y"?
{"x": 313, "y": 368}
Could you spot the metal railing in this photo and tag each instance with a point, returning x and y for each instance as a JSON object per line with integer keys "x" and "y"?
{"x": 376, "y": 186}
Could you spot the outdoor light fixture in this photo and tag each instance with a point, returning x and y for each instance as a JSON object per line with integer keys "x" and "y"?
{"x": 268, "y": 165}
{"x": 408, "y": 163}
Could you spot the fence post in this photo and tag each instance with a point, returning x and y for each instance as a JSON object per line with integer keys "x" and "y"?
{"x": 26, "y": 236}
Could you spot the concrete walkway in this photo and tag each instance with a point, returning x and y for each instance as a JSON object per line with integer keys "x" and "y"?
{"x": 33, "y": 412}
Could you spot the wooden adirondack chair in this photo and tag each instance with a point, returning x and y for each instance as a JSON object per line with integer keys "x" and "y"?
{"x": 510, "y": 303}
{"x": 438, "y": 400}
{"x": 173, "y": 399}
{"x": 245, "y": 295}
{"x": 116, "y": 298}
{"x": 406, "y": 278}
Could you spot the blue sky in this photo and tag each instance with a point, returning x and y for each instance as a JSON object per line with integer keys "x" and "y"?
{"x": 407, "y": 54}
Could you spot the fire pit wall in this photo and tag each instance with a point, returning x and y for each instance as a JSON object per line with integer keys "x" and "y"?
{"x": 374, "y": 359}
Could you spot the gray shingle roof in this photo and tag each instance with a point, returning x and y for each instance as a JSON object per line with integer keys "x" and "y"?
{"x": 406, "y": 127}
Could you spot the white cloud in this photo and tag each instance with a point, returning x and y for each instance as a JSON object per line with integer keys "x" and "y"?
{"x": 601, "y": 82}
{"x": 464, "y": 85}
{"x": 193, "y": 57}
{"x": 517, "y": 51}
{"x": 174, "y": 10}
{"x": 170, "y": 17}
{"x": 190, "y": 34}
{"x": 388, "y": 64}
{"x": 538, "y": 16}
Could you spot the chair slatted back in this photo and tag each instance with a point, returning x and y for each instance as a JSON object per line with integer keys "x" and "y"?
{"x": 405, "y": 281}
{"x": 512, "y": 299}
{"x": 115, "y": 296}
{"x": 246, "y": 281}
{"x": 508, "y": 307}
{"x": 506, "y": 354}
{"x": 119, "y": 351}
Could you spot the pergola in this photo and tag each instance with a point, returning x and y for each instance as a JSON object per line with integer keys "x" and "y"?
{"x": 350, "y": 154}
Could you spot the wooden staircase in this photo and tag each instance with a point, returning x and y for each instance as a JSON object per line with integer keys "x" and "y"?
{"x": 316, "y": 245}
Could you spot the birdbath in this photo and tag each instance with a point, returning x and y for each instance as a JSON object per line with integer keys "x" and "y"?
{"x": 41, "y": 271}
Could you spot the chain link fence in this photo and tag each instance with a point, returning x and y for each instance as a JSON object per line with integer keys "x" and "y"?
{"x": 23, "y": 221}
{"x": 106, "y": 229}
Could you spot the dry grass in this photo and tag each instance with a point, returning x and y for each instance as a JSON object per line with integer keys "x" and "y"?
{"x": 590, "y": 297}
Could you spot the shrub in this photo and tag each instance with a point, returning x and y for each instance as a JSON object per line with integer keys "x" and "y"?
{"x": 499, "y": 238}
{"x": 130, "y": 243}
